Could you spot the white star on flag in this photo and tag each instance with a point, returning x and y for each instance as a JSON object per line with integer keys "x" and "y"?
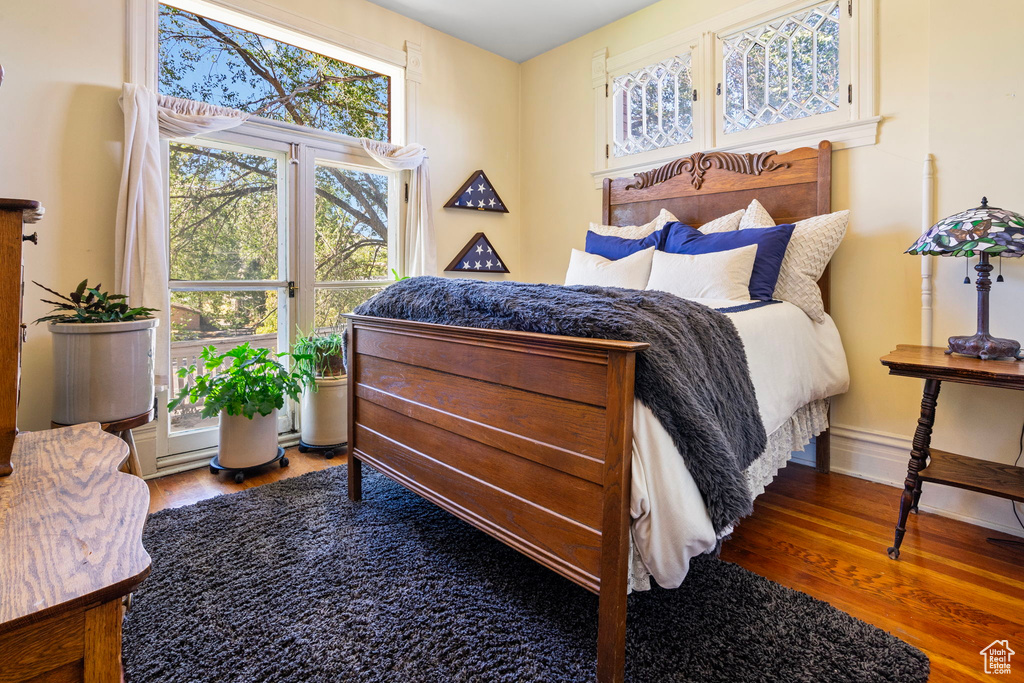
{"x": 470, "y": 190}
{"x": 492, "y": 201}
{"x": 480, "y": 187}
{"x": 477, "y": 265}
{"x": 490, "y": 263}
{"x": 479, "y": 249}
{"x": 489, "y": 250}
{"x": 466, "y": 264}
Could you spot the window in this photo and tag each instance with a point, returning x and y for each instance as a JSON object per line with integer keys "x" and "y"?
{"x": 209, "y": 61}
{"x": 654, "y": 106}
{"x": 282, "y": 223}
{"x": 782, "y": 70}
{"x": 770, "y": 74}
{"x": 351, "y": 255}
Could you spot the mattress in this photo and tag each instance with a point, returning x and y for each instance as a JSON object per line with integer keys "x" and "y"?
{"x": 795, "y": 364}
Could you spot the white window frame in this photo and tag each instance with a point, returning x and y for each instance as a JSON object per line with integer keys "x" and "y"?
{"x": 653, "y": 53}
{"x": 404, "y": 67}
{"x": 855, "y": 124}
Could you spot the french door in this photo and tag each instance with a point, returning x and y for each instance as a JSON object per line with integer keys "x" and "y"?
{"x": 269, "y": 236}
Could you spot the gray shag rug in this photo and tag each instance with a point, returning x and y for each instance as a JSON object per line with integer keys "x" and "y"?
{"x": 291, "y": 582}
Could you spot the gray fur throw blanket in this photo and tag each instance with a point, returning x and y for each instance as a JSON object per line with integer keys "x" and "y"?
{"x": 694, "y": 376}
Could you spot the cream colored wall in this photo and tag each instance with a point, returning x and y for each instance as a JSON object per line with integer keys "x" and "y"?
{"x": 61, "y": 138}
{"x": 946, "y": 85}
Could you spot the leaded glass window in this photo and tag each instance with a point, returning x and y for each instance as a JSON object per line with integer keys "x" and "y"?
{"x": 782, "y": 70}
{"x": 654, "y": 106}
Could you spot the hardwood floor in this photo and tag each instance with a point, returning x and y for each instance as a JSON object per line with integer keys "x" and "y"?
{"x": 951, "y": 593}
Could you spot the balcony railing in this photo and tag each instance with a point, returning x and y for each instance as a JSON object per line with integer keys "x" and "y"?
{"x": 185, "y": 354}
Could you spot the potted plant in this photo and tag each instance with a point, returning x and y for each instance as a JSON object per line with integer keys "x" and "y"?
{"x": 102, "y": 355}
{"x": 325, "y": 400}
{"x": 246, "y": 387}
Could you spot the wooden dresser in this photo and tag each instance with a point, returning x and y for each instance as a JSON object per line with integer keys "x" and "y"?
{"x": 14, "y": 214}
{"x": 70, "y": 550}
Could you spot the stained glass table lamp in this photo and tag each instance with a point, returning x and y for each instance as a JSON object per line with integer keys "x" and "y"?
{"x": 985, "y": 231}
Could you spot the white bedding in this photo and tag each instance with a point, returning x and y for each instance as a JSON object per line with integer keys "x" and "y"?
{"x": 793, "y": 362}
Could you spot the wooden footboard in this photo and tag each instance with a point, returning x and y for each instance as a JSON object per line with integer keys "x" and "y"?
{"x": 525, "y": 436}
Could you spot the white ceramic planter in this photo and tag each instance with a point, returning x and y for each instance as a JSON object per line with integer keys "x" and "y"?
{"x": 245, "y": 442}
{"x": 102, "y": 372}
{"x": 325, "y": 413}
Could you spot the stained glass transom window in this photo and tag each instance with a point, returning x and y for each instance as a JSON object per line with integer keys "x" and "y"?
{"x": 782, "y": 70}
{"x": 654, "y": 107}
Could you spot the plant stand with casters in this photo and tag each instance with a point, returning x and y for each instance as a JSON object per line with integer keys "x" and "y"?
{"x": 328, "y": 451}
{"x": 935, "y": 366}
{"x": 239, "y": 472}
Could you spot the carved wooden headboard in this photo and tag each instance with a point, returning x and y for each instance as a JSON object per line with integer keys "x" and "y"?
{"x": 702, "y": 187}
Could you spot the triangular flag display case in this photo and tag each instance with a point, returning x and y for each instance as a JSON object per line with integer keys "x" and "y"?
{"x": 477, "y": 194}
{"x": 478, "y": 256}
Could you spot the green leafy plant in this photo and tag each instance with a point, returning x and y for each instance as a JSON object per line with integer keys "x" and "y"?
{"x": 90, "y": 305}
{"x": 243, "y": 381}
{"x": 398, "y": 279}
{"x": 323, "y": 355}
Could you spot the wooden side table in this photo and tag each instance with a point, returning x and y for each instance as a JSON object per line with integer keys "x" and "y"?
{"x": 123, "y": 430}
{"x": 932, "y": 465}
{"x": 70, "y": 550}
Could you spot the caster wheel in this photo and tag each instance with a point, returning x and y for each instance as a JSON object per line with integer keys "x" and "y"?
{"x": 894, "y": 553}
{"x": 239, "y": 477}
{"x": 329, "y": 455}
{"x": 213, "y": 470}
{"x": 284, "y": 462}
{"x": 303, "y": 449}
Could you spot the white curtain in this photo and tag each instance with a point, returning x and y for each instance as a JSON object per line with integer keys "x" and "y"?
{"x": 141, "y": 261}
{"x": 420, "y": 250}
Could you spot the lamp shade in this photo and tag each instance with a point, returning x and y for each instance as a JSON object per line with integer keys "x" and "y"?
{"x": 985, "y": 229}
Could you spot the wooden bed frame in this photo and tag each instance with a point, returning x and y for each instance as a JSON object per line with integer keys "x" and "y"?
{"x": 528, "y": 437}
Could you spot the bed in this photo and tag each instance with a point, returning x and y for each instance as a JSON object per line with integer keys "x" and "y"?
{"x": 476, "y": 420}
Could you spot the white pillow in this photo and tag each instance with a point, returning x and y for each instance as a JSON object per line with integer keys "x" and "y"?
{"x": 631, "y": 272}
{"x": 810, "y": 249}
{"x": 634, "y": 232}
{"x": 756, "y": 216}
{"x": 718, "y": 275}
{"x": 726, "y": 223}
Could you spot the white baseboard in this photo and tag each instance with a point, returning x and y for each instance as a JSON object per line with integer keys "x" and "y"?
{"x": 882, "y": 458}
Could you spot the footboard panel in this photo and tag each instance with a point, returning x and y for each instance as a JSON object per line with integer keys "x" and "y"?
{"x": 525, "y": 436}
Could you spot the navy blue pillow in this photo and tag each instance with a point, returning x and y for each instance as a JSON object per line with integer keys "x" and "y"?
{"x": 771, "y": 249}
{"x": 614, "y": 248}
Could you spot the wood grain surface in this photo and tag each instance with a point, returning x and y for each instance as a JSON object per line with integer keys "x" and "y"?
{"x": 70, "y": 525}
{"x": 974, "y": 474}
{"x": 933, "y": 362}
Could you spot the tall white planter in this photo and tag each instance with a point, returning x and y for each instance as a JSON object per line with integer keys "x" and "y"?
{"x": 247, "y": 443}
{"x": 102, "y": 372}
{"x": 325, "y": 413}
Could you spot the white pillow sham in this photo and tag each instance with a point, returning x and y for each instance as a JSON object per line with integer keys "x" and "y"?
{"x": 630, "y": 272}
{"x": 810, "y": 249}
{"x": 718, "y": 275}
{"x": 634, "y": 232}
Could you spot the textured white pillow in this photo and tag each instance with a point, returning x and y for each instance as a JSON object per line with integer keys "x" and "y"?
{"x": 631, "y": 272}
{"x": 810, "y": 249}
{"x": 634, "y": 232}
{"x": 726, "y": 223}
{"x": 718, "y": 275}
{"x": 756, "y": 216}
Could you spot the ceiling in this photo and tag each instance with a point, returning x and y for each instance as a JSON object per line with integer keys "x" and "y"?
{"x": 515, "y": 29}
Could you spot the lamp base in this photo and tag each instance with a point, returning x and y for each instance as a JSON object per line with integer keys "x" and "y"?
{"x": 985, "y": 347}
